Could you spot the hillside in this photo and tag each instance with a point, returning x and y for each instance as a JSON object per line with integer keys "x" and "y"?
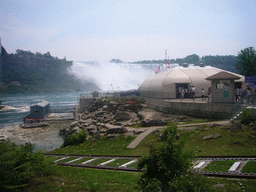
{"x": 28, "y": 72}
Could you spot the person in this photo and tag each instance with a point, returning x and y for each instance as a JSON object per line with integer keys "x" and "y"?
{"x": 237, "y": 94}
{"x": 182, "y": 93}
{"x": 203, "y": 93}
{"x": 242, "y": 94}
{"x": 193, "y": 92}
{"x": 248, "y": 94}
{"x": 209, "y": 93}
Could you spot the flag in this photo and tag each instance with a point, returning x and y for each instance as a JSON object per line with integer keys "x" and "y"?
{"x": 158, "y": 70}
{"x": 169, "y": 64}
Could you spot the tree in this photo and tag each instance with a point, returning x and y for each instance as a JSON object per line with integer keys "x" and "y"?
{"x": 192, "y": 58}
{"x": 165, "y": 163}
{"x": 246, "y": 64}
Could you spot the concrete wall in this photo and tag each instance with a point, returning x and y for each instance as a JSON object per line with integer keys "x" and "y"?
{"x": 210, "y": 110}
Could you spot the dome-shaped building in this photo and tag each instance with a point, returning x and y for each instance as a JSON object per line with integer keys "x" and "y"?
{"x": 170, "y": 83}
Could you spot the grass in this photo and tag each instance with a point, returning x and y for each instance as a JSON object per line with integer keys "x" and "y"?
{"x": 219, "y": 166}
{"x": 249, "y": 167}
{"x": 230, "y": 143}
{"x": 84, "y": 179}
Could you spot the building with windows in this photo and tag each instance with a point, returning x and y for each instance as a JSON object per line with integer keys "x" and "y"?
{"x": 40, "y": 110}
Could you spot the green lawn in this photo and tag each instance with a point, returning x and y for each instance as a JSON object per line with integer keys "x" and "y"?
{"x": 219, "y": 166}
{"x": 85, "y": 179}
{"x": 250, "y": 167}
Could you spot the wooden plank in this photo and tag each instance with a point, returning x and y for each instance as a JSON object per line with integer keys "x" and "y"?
{"x": 235, "y": 166}
{"x": 61, "y": 159}
{"x": 199, "y": 165}
{"x": 128, "y": 163}
{"x": 75, "y": 160}
{"x": 90, "y": 160}
{"x": 111, "y": 160}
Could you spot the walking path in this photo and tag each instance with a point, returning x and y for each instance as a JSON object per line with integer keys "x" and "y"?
{"x": 149, "y": 130}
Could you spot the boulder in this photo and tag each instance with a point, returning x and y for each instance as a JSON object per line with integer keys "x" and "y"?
{"x": 149, "y": 114}
{"x": 73, "y": 124}
{"x": 216, "y": 136}
{"x": 63, "y": 131}
{"x": 208, "y": 137}
{"x": 85, "y": 117}
{"x": 152, "y": 122}
{"x": 116, "y": 129}
{"x": 91, "y": 127}
{"x": 75, "y": 130}
{"x": 99, "y": 113}
{"x": 235, "y": 126}
{"x": 122, "y": 116}
{"x": 163, "y": 137}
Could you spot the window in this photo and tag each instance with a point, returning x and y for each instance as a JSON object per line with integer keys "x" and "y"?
{"x": 36, "y": 111}
{"x": 223, "y": 84}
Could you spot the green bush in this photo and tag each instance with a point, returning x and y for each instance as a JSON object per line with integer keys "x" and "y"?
{"x": 246, "y": 117}
{"x": 75, "y": 139}
{"x": 192, "y": 183}
{"x": 165, "y": 163}
{"x": 19, "y": 164}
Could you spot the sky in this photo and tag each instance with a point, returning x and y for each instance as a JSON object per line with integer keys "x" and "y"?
{"x": 130, "y": 30}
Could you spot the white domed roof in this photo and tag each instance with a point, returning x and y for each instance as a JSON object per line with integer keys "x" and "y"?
{"x": 165, "y": 83}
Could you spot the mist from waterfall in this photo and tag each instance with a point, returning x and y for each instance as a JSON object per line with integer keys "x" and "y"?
{"x": 113, "y": 76}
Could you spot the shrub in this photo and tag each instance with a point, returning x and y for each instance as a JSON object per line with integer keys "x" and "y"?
{"x": 165, "y": 162}
{"x": 246, "y": 117}
{"x": 19, "y": 164}
{"x": 75, "y": 139}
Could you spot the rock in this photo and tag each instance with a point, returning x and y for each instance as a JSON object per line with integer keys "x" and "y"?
{"x": 63, "y": 132}
{"x": 91, "y": 127}
{"x": 163, "y": 137}
{"x": 235, "y": 126}
{"x": 99, "y": 113}
{"x": 152, "y": 122}
{"x": 177, "y": 136}
{"x": 122, "y": 116}
{"x": 137, "y": 132}
{"x": 117, "y": 129}
{"x": 214, "y": 125}
{"x": 73, "y": 124}
{"x": 92, "y": 132}
{"x": 182, "y": 118}
{"x": 84, "y": 117}
{"x": 219, "y": 185}
{"x": 110, "y": 136}
{"x": 216, "y": 136}
{"x": 149, "y": 114}
{"x": 75, "y": 130}
{"x": 207, "y": 137}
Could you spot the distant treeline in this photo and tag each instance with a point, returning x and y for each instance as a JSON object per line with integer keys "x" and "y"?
{"x": 39, "y": 72}
{"x": 225, "y": 62}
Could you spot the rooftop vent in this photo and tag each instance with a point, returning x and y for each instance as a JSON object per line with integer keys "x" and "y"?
{"x": 185, "y": 65}
{"x": 201, "y": 65}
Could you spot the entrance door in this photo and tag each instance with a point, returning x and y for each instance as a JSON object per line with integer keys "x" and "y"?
{"x": 179, "y": 87}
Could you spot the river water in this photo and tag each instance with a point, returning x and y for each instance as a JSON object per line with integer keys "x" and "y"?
{"x": 17, "y": 106}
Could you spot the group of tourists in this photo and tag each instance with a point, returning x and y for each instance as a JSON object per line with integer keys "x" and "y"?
{"x": 244, "y": 94}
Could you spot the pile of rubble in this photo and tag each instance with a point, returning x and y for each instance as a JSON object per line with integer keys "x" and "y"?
{"x": 105, "y": 117}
